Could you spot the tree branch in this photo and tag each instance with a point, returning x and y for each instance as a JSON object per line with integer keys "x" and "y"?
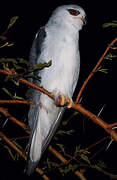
{"x": 8, "y": 141}
{"x": 108, "y": 127}
{"x": 23, "y": 81}
{"x": 94, "y": 70}
{"x": 16, "y": 102}
{"x": 5, "y": 112}
{"x": 97, "y": 120}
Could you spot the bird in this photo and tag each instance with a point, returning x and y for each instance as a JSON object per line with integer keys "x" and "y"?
{"x": 58, "y": 41}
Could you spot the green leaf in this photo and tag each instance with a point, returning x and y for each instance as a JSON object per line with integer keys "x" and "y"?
{"x": 10, "y": 44}
{"x": 74, "y": 167}
{"x": 8, "y": 60}
{"x": 101, "y": 164}
{"x": 61, "y": 146}
{"x": 17, "y": 67}
{"x": 6, "y": 44}
{"x": 110, "y": 56}
{"x": 65, "y": 170}
{"x": 85, "y": 158}
{"x": 10, "y": 152}
{"x": 12, "y": 96}
{"x": 33, "y": 77}
{"x": 63, "y": 132}
{"x": 12, "y": 21}
{"x": 48, "y": 163}
{"x": 68, "y": 168}
{"x": 23, "y": 61}
{"x": 17, "y": 145}
{"x": 11, "y": 77}
{"x": 65, "y": 122}
{"x": 17, "y": 156}
{"x": 112, "y": 24}
{"x": 18, "y": 98}
{"x": 78, "y": 148}
{"x": 7, "y": 92}
{"x": 40, "y": 66}
{"x": 104, "y": 70}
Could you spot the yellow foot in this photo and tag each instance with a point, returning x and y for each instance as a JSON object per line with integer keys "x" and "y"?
{"x": 64, "y": 101}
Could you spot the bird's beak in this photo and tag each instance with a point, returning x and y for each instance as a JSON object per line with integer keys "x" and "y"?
{"x": 83, "y": 19}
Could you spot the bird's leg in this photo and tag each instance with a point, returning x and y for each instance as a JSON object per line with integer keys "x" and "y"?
{"x": 61, "y": 100}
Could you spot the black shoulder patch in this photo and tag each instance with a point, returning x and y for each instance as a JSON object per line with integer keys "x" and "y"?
{"x": 36, "y": 46}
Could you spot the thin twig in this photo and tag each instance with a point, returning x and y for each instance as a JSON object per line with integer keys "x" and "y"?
{"x": 8, "y": 141}
{"x": 15, "y": 102}
{"x": 96, "y": 143}
{"x": 94, "y": 70}
{"x": 114, "y": 176}
{"x": 41, "y": 89}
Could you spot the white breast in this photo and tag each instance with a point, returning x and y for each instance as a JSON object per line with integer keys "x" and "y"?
{"x": 62, "y": 49}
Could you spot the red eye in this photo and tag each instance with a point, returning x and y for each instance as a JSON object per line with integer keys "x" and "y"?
{"x": 73, "y": 12}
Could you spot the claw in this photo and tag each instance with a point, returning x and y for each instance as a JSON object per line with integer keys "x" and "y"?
{"x": 69, "y": 102}
{"x": 63, "y": 101}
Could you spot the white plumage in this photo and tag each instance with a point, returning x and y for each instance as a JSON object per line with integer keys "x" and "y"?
{"x": 57, "y": 41}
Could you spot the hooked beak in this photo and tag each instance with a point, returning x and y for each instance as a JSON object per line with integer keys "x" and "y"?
{"x": 83, "y": 19}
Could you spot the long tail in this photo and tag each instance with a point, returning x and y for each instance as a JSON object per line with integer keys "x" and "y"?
{"x": 31, "y": 167}
{"x": 43, "y": 128}
{"x": 35, "y": 146}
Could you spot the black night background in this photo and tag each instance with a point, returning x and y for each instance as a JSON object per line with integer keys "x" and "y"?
{"x": 99, "y": 92}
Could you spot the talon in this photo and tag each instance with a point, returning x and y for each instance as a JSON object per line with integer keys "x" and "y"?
{"x": 64, "y": 101}
{"x": 60, "y": 100}
{"x": 69, "y": 102}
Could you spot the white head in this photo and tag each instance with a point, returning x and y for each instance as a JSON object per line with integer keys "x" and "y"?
{"x": 70, "y": 16}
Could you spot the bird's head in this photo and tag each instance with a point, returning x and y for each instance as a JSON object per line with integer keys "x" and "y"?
{"x": 71, "y": 16}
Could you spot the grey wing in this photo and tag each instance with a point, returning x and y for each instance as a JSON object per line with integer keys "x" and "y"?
{"x": 34, "y": 112}
{"x": 35, "y": 95}
{"x": 33, "y": 57}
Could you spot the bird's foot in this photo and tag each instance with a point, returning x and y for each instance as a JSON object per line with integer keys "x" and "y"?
{"x": 62, "y": 101}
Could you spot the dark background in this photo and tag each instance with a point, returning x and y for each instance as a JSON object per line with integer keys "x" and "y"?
{"x": 93, "y": 42}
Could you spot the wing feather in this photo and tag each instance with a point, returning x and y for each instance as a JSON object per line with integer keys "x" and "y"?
{"x": 35, "y": 95}
{"x": 33, "y": 57}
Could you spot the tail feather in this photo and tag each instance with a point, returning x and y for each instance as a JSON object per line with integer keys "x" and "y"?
{"x": 34, "y": 150}
{"x": 42, "y": 131}
{"x": 31, "y": 167}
